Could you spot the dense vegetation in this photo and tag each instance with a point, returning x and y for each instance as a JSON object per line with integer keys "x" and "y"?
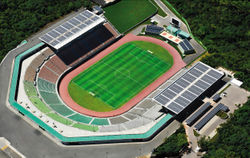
{"x": 232, "y": 139}
{"x": 173, "y": 144}
{"x": 21, "y": 18}
{"x": 223, "y": 27}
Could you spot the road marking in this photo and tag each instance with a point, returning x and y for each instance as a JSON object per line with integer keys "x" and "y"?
{"x": 3, "y": 148}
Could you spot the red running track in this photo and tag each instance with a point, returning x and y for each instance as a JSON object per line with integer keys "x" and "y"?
{"x": 63, "y": 87}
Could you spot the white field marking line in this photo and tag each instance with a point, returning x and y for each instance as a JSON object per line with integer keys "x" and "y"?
{"x": 150, "y": 52}
{"x": 123, "y": 74}
{"x": 112, "y": 95}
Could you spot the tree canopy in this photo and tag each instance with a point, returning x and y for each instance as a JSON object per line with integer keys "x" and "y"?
{"x": 223, "y": 27}
{"x": 21, "y": 18}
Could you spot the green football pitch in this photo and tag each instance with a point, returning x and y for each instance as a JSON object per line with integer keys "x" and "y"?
{"x": 119, "y": 76}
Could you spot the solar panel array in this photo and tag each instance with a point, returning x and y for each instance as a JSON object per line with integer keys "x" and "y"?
{"x": 71, "y": 29}
{"x": 188, "y": 87}
{"x": 154, "y": 29}
{"x": 210, "y": 115}
{"x": 198, "y": 114}
{"x": 186, "y": 45}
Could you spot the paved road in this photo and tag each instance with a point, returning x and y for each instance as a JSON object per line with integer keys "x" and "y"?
{"x": 198, "y": 48}
{"x": 32, "y": 143}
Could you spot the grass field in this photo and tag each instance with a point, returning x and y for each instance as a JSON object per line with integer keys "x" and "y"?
{"x": 127, "y": 13}
{"x": 119, "y": 76}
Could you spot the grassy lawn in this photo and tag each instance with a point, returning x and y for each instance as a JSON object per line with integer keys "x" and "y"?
{"x": 118, "y": 77}
{"x": 127, "y": 13}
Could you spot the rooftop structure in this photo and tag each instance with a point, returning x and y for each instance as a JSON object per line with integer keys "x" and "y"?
{"x": 216, "y": 97}
{"x": 191, "y": 120}
{"x": 170, "y": 37}
{"x": 172, "y": 30}
{"x": 210, "y": 115}
{"x": 71, "y": 29}
{"x": 185, "y": 47}
{"x": 183, "y": 34}
{"x": 181, "y": 93}
{"x": 154, "y": 29}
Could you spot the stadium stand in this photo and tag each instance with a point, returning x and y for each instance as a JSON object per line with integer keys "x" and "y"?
{"x": 100, "y": 121}
{"x": 118, "y": 120}
{"x": 84, "y": 45}
{"x": 80, "y": 118}
{"x": 48, "y": 75}
{"x": 46, "y": 86}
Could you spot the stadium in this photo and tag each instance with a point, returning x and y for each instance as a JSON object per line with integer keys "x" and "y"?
{"x": 84, "y": 82}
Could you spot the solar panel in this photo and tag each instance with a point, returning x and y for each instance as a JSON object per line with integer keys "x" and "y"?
{"x": 161, "y": 99}
{"x": 60, "y": 29}
{"x": 74, "y": 21}
{"x": 68, "y": 34}
{"x": 94, "y": 18}
{"x": 188, "y": 45}
{"x": 201, "y": 67}
{"x": 87, "y": 14}
{"x": 80, "y": 18}
{"x": 183, "y": 102}
{"x": 190, "y": 121}
{"x": 53, "y": 34}
{"x": 55, "y": 42}
{"x": 175, "y": 107}
{"x": 189, "y": 77}
{"x": 183, "y": 46}
{"x": 177, "y": 96}
{"x": 88, "y": 22}
{"x": 82, "y": 26}
{"x": 182, "y": 83}
{"x": 194, "y": 89}
{"x": 169, "y": 94}
{"x": 67, "y": 25}
{"x": 209, "y": 116}
{"x": 188, "y": 95}
{"x": 214, "y": 74}
{"x": 61, "y": 38}
{"x": 202, "y": 84}
{"x": 75, "y": 30}
{"x": 208, "y": 79}
{"x": 195, "y": 72}
{"x": 47, "y": 38}
{"x": 177, "y": 89}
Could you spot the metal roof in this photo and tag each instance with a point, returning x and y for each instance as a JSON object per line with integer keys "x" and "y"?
{"x": 71, "y": 29}
{"x": 181, "y": 93}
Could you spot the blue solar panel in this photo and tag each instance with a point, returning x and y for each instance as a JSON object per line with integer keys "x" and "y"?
{"x": 62, "y": 38}
{"x": 177, "y": 89}
{"x": 169, "y": 94}
{"x": 195, "y": 72}
{"x": 183, "y": 46}
{"x": 60, "y": 29}
{"x": 182, "y": 83}
{"x": 74, "y": 22}
{"x": 53, "y": 34}
{"x": 188, "y": 45}
{"x": 68, "y": 34}
{"x": 47, "y": 38}
{"x": 201, "y": 67}
{"x": 208, "y": 79}
{"x": 189, "y": 77}
{"x": 202, "y": 84}
{"x": 80, "y": 18}
{"x": 188, "y": 95}
{"x": 175, "y": 107}
{"x": 214, "y": 74}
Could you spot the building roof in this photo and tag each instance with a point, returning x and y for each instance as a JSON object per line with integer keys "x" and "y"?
{"x": 172, "y": 29}
{"x": 154, "y": 29}
{"x": 171, "y": 37}
{"x": 183, "y": 34}
{"x": 186, "y": 46}
{"x": 216, "y": 97}
{"x": 210, "y": 115}
{"x": 181, "y": 93}
{"x": 71, "y": 29}
{"x": 198, "y": 113}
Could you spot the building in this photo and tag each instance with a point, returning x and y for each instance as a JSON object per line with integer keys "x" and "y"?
{"x": 216, "y": 98}
{"x": 185, "y": 47}
{"x": 153, "y": 29}
{"x": 170, "y": 37}
{"x": 183, "y": 34}
{"x": 104, "y": 2}
{"x": 172, "y": 30}
{"x": 97, "y": 10}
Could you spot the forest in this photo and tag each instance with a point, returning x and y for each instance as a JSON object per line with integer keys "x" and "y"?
{"x": 21, "y": 18}
{"x": 172, "y": 145}
{"x": 232, "y": 139}
{"x": 223, "y": 27}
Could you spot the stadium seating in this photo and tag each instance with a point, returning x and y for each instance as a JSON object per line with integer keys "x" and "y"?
{"x": 80, "y": 118}
{"x": 46, "y": 86}
{"x": 29, "y": 88}
{"x": 99, "y": 121}
{"x": 48, "y": 75}
{"x": 61, "y": 109}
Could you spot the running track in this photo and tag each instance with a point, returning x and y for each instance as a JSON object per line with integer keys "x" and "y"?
{"x": 63, "y": 87}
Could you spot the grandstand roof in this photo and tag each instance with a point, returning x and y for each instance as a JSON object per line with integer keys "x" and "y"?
{"x": 71, "y": 29}
{"x": 183, "y": 34}
{"x": 181, "y": 93}
{"x": 172, "y": 29}
{"x": 154, "y": 29}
